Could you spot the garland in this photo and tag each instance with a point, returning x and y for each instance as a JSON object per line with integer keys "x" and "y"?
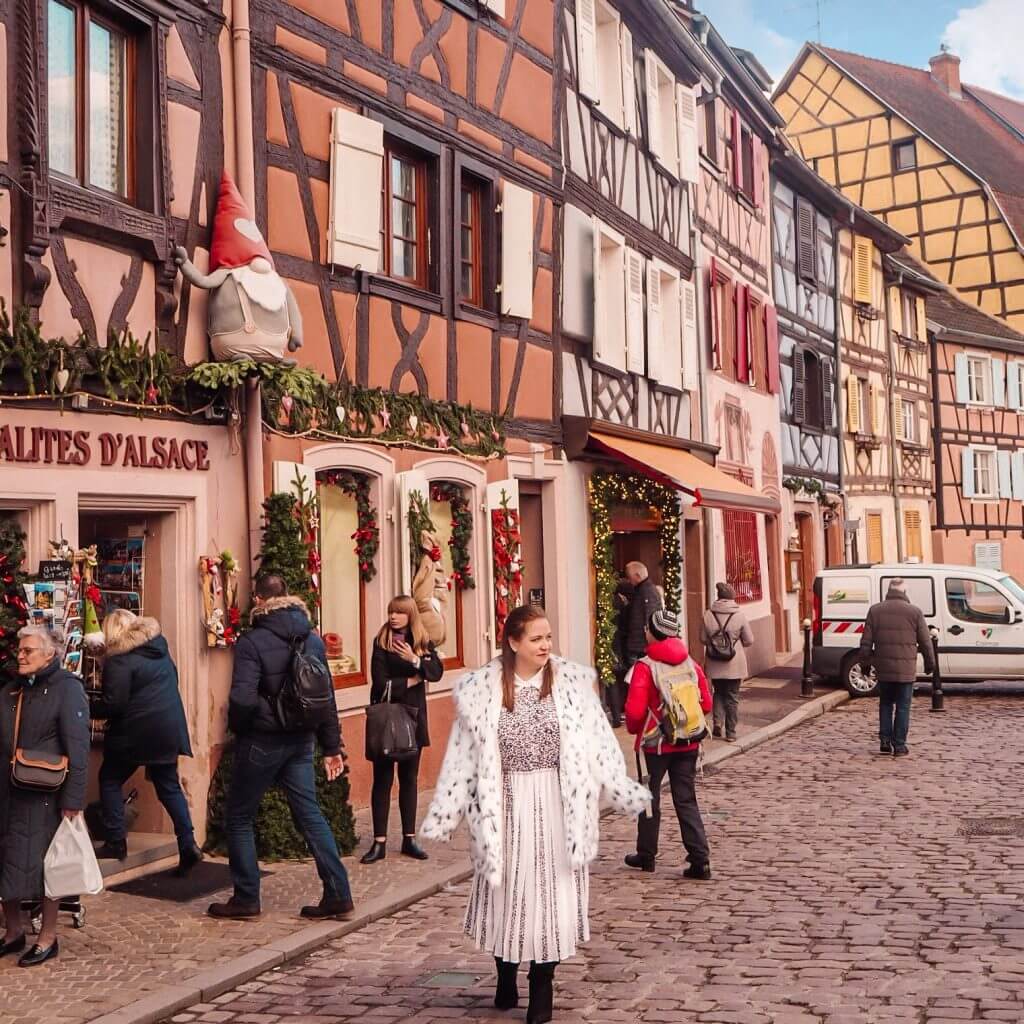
{"x": 606, "y": 490}
{"x": 367, "y": 535}
{"x": 462, "y": 530}
{"x": 506, "y": 548}
{"x": 815, "y": 488}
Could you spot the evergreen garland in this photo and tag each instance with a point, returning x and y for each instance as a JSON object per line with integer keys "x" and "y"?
{"x": 285, "y": 551}
{"x": 462, "y": 530}
{"x": 367, "y": 535}
{"x": 13, "y": 609}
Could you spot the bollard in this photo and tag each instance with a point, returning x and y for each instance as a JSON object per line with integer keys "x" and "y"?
{"x": 938, "y": 700}
{"x": 806, "y": 681}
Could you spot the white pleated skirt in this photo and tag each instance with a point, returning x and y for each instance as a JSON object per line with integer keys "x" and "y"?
{"x": 539, "y": 909}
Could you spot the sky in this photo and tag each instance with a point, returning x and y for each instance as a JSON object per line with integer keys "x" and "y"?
{"x": 987, "y": 35}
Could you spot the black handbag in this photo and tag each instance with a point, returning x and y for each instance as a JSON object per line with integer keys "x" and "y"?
{"x": 35, "y": 769}
{"x": 391, "y": 730}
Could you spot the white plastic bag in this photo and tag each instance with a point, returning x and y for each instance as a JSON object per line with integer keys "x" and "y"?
{"x": 70, "y": 867}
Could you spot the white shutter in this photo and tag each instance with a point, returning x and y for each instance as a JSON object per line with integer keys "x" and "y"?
{"x": 655, "y": 341}
{"x": 634, "y": 311}
{"x": 286, "y": 477}
{"x": 988, "y": 555}
{"x": 610, "y": 305}
{"x": 628, "y": 79}
{"x": 1005, "y": 482}
{"x": 689, "y": 153}
{"x": 586, "y": 48}
{"x": 357, "y": 159}
{"x": 653, "y": 107}
{"x": 600, "y": 329}
{"x": 998, "y": 382}
{"x": 963, "y": 387}
{"x": 1013, "y": 395}
{"x": 898, "y": 432}
{"x": 516, "y": 251}
{"x": 495, "y": 6}
{"x": 1017, "y": 475}
{"x": 405, "y": 485}
{"x": 691, "y": 369}
{"x": 967, "y": 471}
{"x": 497, "y": 492}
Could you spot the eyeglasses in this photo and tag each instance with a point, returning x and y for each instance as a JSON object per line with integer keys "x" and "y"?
{"x": 28, "y": 650}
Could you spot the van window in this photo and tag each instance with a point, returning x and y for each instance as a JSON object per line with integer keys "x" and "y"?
{"x": 845, "y": 596}
{"x": 920, "y": 590}
{"x": 974, "y": 601}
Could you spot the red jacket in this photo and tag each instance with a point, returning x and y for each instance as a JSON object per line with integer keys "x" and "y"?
{"x": 644, "y": 697}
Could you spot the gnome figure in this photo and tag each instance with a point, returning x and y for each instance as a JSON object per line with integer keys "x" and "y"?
{"x": 252, "y": 313}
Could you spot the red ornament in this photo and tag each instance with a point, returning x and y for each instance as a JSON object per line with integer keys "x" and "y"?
{"x": 435, "y": 554}
{"x": 152, "y": 395}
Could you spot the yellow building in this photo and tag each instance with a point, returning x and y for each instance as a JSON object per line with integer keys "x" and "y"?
{"x": 940, "y": 161}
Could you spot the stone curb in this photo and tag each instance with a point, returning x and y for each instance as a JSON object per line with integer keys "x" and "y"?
{"x": 207, "y": 985}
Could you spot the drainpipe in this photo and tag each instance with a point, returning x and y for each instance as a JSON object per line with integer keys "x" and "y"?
{"x": 890, "y": 392}
{"x": 837, "y": 313}
{"x": 245, "y": 178}
{"x": 703, "y": 377}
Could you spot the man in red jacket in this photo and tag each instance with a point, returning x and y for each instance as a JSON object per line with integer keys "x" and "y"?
{"x": 644, "y": 706}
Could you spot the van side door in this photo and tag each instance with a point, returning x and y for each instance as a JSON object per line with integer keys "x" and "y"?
{"x": 980, "y": 639}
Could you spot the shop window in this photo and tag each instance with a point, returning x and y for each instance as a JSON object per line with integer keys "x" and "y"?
{"x": 407, "y": 198}
{"x": 904, "y": 155}
{"x": 342, "y": 590}
{"x": 448, "y": 507}
{"x": 974, "y": 601}
{"x": 742, "y": 557}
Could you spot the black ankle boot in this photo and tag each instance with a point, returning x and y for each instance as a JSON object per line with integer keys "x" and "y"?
{"x": 413, "y": 849}
{"x": 506, "y": 994}
{"x": 113, "y": 849}
{"x": 378, "y": 851}
{"x": 542, "y": 978}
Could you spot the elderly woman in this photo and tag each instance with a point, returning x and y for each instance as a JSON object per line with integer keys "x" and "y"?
{"x": 53, "y": 719}
{"x": 530, "y": 759}
{"x": 146, "y": 727}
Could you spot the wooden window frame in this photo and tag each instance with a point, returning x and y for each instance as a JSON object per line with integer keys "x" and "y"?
{"x": 709, "y": 134}
{"x": 814, "y": 392}
{"x": 486, "y": 180}
{"x": 747, "y": 162}
{"x": 987, "y": 398}
{"x": 909, "y": 419}
{"x": 993, "y": 472}
{"x": 394, "y": 150}
{"x": 902, "y": 146}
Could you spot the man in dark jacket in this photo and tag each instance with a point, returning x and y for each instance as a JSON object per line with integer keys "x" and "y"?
{"x": 643, "y": 603}
{"x": 266, "y": 754}
{"x": 894, "y": 632}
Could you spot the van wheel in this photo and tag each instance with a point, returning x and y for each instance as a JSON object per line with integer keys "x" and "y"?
{"x": 857, "y": 682}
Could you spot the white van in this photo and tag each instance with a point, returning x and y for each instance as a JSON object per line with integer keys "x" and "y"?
{"x": 979, "y": 615}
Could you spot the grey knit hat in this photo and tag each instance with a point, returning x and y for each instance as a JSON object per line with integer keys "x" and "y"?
{"x": 725, "y": 592}
{"x": 664, "y": 624}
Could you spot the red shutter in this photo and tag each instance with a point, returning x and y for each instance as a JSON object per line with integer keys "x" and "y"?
{"x": 758, "y": 150}
{"x": 742, "y": 347}
{"x": 771, "y": 340}
{"x": 716, "y": 327}
{"x": 737, "y": 151}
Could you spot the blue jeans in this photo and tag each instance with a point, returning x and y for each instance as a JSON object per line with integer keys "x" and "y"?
{"x": 894, "y": 712}
{"x": 115, "y": 772}
{"x": 261, "y": 762}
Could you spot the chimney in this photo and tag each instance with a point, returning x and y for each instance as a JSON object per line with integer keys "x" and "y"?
{"x": 946, "y": 72}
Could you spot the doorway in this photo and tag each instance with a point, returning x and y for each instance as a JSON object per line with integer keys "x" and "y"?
{"x": 805, "y": 532}
{"x": 773, "y": 543}
{"x": 693, "y": 581}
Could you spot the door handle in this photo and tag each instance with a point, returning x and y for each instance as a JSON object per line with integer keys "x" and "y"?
{"x": 956, "y": 630}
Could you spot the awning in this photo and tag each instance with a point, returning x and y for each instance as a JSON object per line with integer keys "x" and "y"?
{"x": 707, "y": 486}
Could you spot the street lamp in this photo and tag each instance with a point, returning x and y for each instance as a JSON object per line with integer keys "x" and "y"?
{"x": 806, "y": 682}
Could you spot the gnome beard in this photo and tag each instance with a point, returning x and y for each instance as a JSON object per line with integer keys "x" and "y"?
{"x": 266, "y": 289}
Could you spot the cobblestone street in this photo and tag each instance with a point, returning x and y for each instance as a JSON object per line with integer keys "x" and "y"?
{"x": 845, "y": 892}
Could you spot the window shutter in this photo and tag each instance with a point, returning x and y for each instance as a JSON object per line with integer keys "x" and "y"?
{"x": 828, "y": 396}
{"x": 406, "y": 484}
{"x": 863, "y": 260}
{"x": 516, "y": 251}
{"x": 805, "y": 248}
{"x": 737, "y": 151}
{"x": 689, "y": 146}
{"x": 757, "y": 149}
{"x": 1005, "y": 481}
{"x": 895, "y": 310}
{"x": 988, "y": 555}
{"x": 898, "y": 432}
{"x": 634, "y": 311}
{"x": 771, "y": 342}
{"x": 497, "y": 493}
{"x": 742, "y": 335}
{"x": 1013, "y": 385}
{"x": 922, "y": 319}
{"x": 1017, "y": 475}
{"x": 586, "y": 48}
{"x": 876, "y": 549}
{"x": 963, "y": 387}
{"x": 628, "y": 79}
{"x": 799, "y": 397}
{"x": 967, "y": 471}
{"x": 600, "y": 328}
{"x": 655, "y": 342}
{"x": 653, "y": 107}
{"x": 691, "y": 369}
{"x": 716, "y": 319}
{"x": 853, "y": 406}
{"x": 912, "y": 529}
{"x": 288, "y": 476}
{"x": 357, "y": 161}
{"x": 877, "y": 421}
{"x": 998, "y": 382}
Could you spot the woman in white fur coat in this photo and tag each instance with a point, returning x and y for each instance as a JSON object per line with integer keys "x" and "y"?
{"x": 530, "y": 760}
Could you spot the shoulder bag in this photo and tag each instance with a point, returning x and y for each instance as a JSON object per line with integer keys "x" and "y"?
{"x": 391, "y": 730}
{"x": 35, "y": 769}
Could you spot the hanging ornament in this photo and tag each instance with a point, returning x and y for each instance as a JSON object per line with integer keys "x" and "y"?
{"x": 414, "y": 422}
{"x": 385, "y": 417}
{"x": 152, "y": 395}
{"x": 442, "y": 437}
{"x": 464, "y": 427}
{"x": 63, "y": 375}
{"x": 341, "y": 412}
{"x": 495, "y": 434}
{"x": 286, "y": 403}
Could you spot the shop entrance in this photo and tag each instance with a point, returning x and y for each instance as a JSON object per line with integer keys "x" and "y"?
{"x": 636, "y": 538}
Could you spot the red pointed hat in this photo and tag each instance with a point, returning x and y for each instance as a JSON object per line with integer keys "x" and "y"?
{"x": 236, "y": 239}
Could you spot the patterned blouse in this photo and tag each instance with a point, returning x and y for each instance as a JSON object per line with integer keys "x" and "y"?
{"x": 528, "y": 736}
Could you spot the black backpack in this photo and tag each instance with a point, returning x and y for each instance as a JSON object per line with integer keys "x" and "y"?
{"x": 306, "y": 696}
{"x": 720, "y": 645}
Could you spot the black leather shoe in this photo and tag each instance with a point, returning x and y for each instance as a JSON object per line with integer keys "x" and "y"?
{"x": 14, "y": 946}
{"x": 638, "y": 860}
{"x": 378, "y": 851}
{"x": 542, "y": 978}
{"x": 410, "y": 848}
{"x": 702, "y": 872}
{"x": 233, "y": 909}
{"x": 901, "y": 752}
{"x": 113, "y": 849}
{"x": 506, "y": 994}
{"x": 330, "y": 906}
{"x": 884, "y": 747}
{"x": 37, "y": 955}
{"x": 188, "y": 860}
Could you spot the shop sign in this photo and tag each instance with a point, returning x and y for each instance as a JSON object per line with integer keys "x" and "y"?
{"x": 47, "y": 446}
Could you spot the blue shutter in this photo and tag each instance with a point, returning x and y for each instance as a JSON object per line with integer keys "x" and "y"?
{"x": 967, "y": 471}
{"x": 1013, "y": 385}
{"x": 998, "y": 382}
{"x": 1017, "y": 473}
{"x": 963, "y": 390}
{"x": 1005, "y": 485}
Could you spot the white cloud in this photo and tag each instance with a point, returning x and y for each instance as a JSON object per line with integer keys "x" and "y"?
{"x": 987, "y": 38}
{"x": 739, "y": 26}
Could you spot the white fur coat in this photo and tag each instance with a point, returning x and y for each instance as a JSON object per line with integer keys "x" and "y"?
{"x": 592, "y": 769}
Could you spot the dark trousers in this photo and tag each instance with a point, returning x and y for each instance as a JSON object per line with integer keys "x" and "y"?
{"x": 380, "y": 797}
{"x": 894, "y": 701}
{"x": 262, "y": 762}
{"x": 681, "y": 769}
{"x": 115, "y": 772}
{"x": 727, "y": 704}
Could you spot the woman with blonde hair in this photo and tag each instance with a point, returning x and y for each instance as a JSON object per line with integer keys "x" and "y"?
{"x": 404, "y": 661}
{"x": 530, "y": 760}
{"x": 146, "y": 727}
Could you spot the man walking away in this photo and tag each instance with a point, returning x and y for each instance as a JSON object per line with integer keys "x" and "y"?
{"x": 894, "y": 631}
{"x": 267, "y": 754}
{"x": 643, "y": 603}
{"x": 725, "y": 634}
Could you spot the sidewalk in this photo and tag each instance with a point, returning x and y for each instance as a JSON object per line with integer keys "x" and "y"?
{"x": 150, "y": 957}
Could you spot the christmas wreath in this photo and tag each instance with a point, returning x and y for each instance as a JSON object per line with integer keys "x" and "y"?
{"x": 506, "y": 548}
{"x": 367, "y": 535}
{"x": 462, "y": 530}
